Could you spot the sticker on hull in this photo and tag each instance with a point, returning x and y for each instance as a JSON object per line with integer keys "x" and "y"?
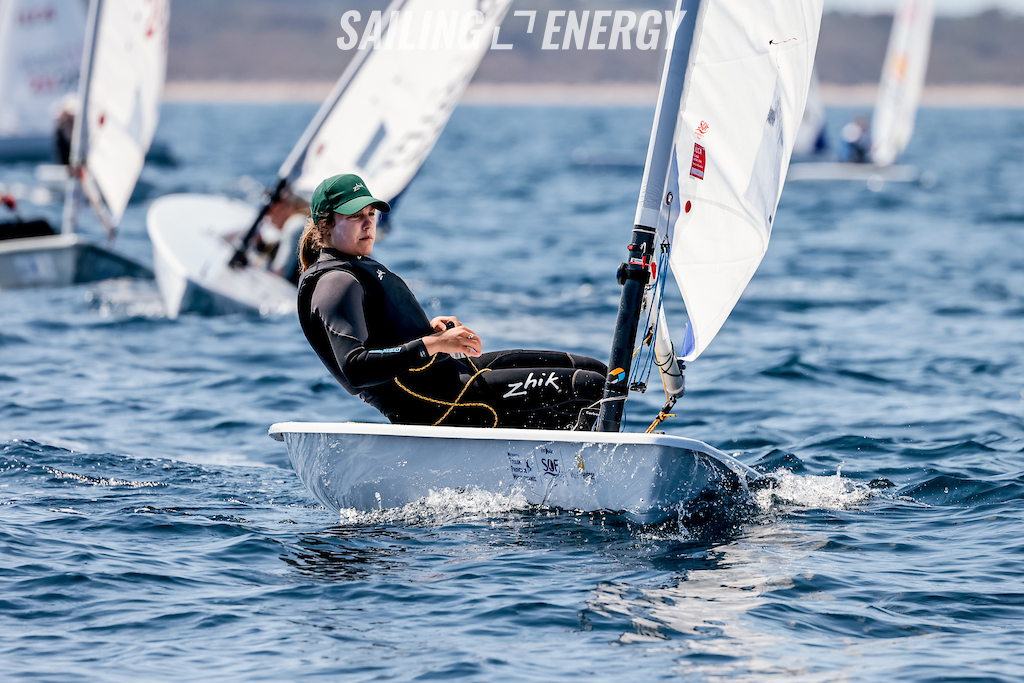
{"x": 521, "y": 468}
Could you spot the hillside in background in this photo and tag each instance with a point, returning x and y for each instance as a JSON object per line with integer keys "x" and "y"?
{"x": 295, "y": 40}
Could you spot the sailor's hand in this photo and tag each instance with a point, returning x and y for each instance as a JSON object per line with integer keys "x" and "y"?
{"x": 440, "y": 323}
{"x": 458, "y": 339}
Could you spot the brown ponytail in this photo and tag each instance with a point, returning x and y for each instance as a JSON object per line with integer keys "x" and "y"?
{"x": 314, "y": 239}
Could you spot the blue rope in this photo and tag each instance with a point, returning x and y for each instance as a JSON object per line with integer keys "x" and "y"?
{"x": 643, "y": 361}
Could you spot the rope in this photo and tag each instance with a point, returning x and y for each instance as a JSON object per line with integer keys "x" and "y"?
{"x": 451, "y": 405}
{"x": 663, "y": 415}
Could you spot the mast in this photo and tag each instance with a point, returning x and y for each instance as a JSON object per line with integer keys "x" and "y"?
{"x": 80, "y": 137}
{"x": 297, "y": 156}
{"x": 634, "y": 273}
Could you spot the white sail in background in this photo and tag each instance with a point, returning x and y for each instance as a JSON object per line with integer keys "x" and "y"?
{"x": 903, "y": 73}
{"x": 427, "y": 54}
{"x": 731, "y": 133}
{"x": 812, "y": 125}
{"x": 123, "y": 96}
{"x": 40, "y": 56}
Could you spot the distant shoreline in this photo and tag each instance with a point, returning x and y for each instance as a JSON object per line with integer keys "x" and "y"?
{"x": 559, "y": 94}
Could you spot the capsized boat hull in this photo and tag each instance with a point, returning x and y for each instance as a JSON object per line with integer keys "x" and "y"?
{"x": 648, "y": 477}
{"x": 60, "y": 261}
{"x": 192, "y": 236}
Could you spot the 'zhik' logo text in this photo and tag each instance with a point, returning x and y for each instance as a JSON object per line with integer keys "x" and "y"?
{"x": 521, "y": 388}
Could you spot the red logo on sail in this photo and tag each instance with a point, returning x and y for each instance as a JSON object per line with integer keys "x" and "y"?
{"x": 697, "y": 166}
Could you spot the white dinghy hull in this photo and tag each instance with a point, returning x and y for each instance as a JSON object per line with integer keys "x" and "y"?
{"x": 61, "y": 261}
{"x": 193, "y": 238}
{"x": 650, "y": 478}
{"x": 837, "y": 170}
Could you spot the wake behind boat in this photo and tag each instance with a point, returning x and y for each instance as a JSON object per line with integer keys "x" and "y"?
{"x": 381, "y": 120}
{"x": 732, "y": 92}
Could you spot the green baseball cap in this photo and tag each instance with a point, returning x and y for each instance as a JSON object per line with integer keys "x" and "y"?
{"x": 345, "y": 194}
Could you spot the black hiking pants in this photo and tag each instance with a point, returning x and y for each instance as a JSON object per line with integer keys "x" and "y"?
{"x": 518, "y": 389}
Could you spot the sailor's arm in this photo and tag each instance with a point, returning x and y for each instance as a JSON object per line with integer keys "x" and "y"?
{"x": 454, "y": 339}
{"x": 338, "y": 301}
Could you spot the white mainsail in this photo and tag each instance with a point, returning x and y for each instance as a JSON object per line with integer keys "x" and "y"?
{"x": 721, "y": 145}
{"x": 40, "y": 55}
{"x": 427, "y": 53}
{"x": 903, "y": 73}
{"x": 121, "y": 96}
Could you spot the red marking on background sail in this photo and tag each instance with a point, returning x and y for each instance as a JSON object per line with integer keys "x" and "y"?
{"x": 103, "y": 118}
{"x": 688, "y": 207}
{"x": 34, "y": 15}
{"x": 697, "y": 166}
{"x": 702, "y": 130}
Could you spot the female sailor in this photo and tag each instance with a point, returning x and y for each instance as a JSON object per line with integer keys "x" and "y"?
{"x": 368, "y": 329}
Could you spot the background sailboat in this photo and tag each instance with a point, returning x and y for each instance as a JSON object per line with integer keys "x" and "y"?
{"x": 121, "y": 85}
{"x": 812, "y": 137}
{"x": 732, "y": 94}
{"x": 40, "y": 59}
{"x": 899, "y": 94}
{"x": 903, "y": 74}
{"x": 381, "y": 120}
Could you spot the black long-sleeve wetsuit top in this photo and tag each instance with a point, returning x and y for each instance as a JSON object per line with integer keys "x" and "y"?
{"x": 367, "y": 327}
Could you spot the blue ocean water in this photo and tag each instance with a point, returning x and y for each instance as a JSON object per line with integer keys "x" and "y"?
{"x": 150, "y": 530}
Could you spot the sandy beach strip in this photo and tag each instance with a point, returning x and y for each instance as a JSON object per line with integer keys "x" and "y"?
{"x": 589, "y": 95}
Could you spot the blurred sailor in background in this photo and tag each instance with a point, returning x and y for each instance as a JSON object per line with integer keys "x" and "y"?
{"x": 857, "y": 137}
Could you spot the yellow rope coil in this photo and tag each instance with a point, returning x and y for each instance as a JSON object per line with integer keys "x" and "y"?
{"x": 429, "y": 363}
{"x": 451, "y": 405}
{"x": 662, "y": 416}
